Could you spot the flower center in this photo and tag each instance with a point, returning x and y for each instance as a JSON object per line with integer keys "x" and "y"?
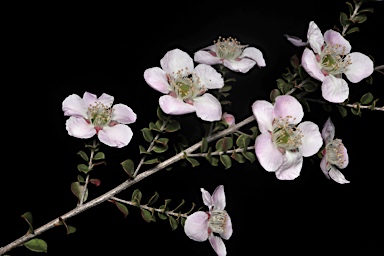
{"x": 286, "y": 135}
{"x": 217, "y": 221}
{"x": 99, "y": 115}
{"x": 333, "y": 59}
{"x": 185, "y": 86}
{"x": 335, "y": 152}
{"x": 228, "y": 48}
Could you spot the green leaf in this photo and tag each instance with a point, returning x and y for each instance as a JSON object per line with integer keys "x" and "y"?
{"x": 173, "y": 222}
{"x": 181, "y": 204}
{"x": 172, "y": 126}
{"x": 204, "y": 145}
{"x": 226, "y": 161}
{"x": 238, "y": 157}
{"x": 28, "y": 217}
{"x": 249, "y": 155}
{"x": 344, "y": 19}
{"x": 352, "y": 30}
{"x": 342, "y": 111}
{"x": 350, "y": 7}
{"x": 147, "y": 215}
{"x": 136, "y": 197}
{"x": 160, "y": 148}
{"x": 163, "y": 141}
{"x": 151, "y": 161}
{"x": 274, "y": 93}
{"x": 80, "y": 178}
{"x": 225, "y": 88}
{"x": 77, "y": 189}
{"x": 366, "y": 10}
{"x": 224, "y": 144}
{"x": 83, "y": 155}
{"x": 143, "y": 150}
{"x": 295, "y": 62}
{"x": 159, "y": 125}
{"x": 99, "y": 156}
{"x": 153, "y": 199}
{"x": 254, "y": 131}
{"x": 194, "y": 162}
{"x": 366, "y": 98}
{"x": 327, "y": 107}
{"x": 147, "y": 134}
{"x": 128, "y": 166}
{"x": 83, "y": 168}
{"x": 310, "y": 86}
{"x": 160, "y": 114}
{"x": 182, "y": 221}
{"x": 243, "y": 141}
{"x": 70, "y": 229}
{"x": 36, "y": 245}
{"x": 122, "y": 208}
{"x": 359, "y": 18}
{"x": 153, "y": 126}
{"x": 162, "y": 215}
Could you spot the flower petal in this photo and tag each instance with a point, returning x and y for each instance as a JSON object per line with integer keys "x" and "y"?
{"x": 334, "y": 89}
{"x": 73, "y": 105}
{"x": 209, "y": 77}
{"x": 315, "y": 37}
{"x": 287, "y": 105}
{"x": 118, "y": 135}
{"x": 91, "y": 99}
{"x": 361, "y": 67}
{"x": 291, "y": 167}
{"x": 174, "y": 106}
{"x": 328, "y": 132}
{"x": 254, "y": 54}
{"x": 269, "y": 157}
{"x": 218, "y": 245}
{"x": 227, "y": 228}
{"x": 123, "y": 114}
{"x": 295, "y": 40}
{"x": 311, "y": 65}
{"x": 332, "y": 37}
{"x": 157, "y": 79}
{"x": 177, "y": 61}
{"x": 324, "y": 165}
{"x": 207, "y": 199}
{"x": 337, "y": 176}
{"x": 205, "y": 57}
{"x": 79, "y": 128}
{"x": 241, "y": 65}
{"x": 345, "y": 159}
{"x": 263, "y": 112}
{"x": 311, "y": 140}
{"x": 196, "y": 226}
{"x": 207, "y": 107}
{"x": 218, "y": 198}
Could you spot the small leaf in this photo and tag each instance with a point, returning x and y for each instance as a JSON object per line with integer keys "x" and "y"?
{"x": 359, "y": 18}
{"x": 163, "y": 141}
{"x": 274, "y": 93}
{"x": 147, "y": 215}
{"x": 223, "y": 144}
{"x": 344, "y": 19}
{"x": 78, "y": 189}
{"x": 295, "y": 62}
{"x": 83, "y": 155}
{"x": 204, "y": 145}
{"x": 99, "y": 156}
{"x": 36, "y": 245}
{"x": 172, "y": 126}
{"x": 194, "y": 162}
{"x": 238, "y": 157}
{"x": 342, "y": 111}
{"x": 226, "y": 88}
{"x": 162, "y": 215}
{"x": 122, "y": 208}
{"x": 153, "y": 198}
{"x": 249, "y": 155}
{"x": 366, "y": 10}
{"x": 243, "y": 141}
{"x": 28, "y": 217}
{"x": 310, "y": 86}
{"x": 95, "y": 182}
{"x": 136, "y": 197}
{"x": 352, "y": 30}
{"x": 160, "y": 148}
{"x": 69, "y": 229}
{"x": 366, "y": 98}
{"x": 128, "y": 166}
{"x": 254, "y": 131}
{"x": 181, "y": 204}
{"x": 152, "y": 126}
{"x": 226, "y": 161}
{"x": 160, "y": 114}
{"x": 173, "y": 222}
{"x": 182, "y": 221}
{"x": 147, "y": 134}
{"x": 152, "y": 161}
{"x": 143, "y": 150}
{"x": 83, "y": 168}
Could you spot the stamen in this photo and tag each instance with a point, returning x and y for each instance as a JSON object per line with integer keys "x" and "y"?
{"x": 334, "y": 60}
{"x": 285, "y": 134}
{"x": 335, "y": 153}
{"x": 217, "y": 221}
{"x": 185, "y": 86}
{"x": 99, "y": 115}
{"x": 228, "y": 48}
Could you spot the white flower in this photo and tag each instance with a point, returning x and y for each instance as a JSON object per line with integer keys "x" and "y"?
{"x": 201, "y": 226}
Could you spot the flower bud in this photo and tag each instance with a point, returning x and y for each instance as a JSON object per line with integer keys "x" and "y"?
{"x": 228, "y": 119}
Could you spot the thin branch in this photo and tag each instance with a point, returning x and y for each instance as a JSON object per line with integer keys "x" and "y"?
{"x": 347, "y": 105}
{"x": 216, "y": 153}
{"x": 108, "y": 195}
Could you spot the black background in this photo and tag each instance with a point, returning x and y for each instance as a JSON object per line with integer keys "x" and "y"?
{"x": 61, "y": 49}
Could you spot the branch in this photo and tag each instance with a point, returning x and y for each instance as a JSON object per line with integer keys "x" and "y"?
{"x": 108, "y": 195}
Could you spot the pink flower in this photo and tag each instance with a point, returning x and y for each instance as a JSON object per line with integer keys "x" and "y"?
{"x": 334, "y": 154}
{"x": 91, "y": 115}
{"x": 329, "y": 58}
{"x": 231, "y": 54}
{"x": 283, "y": 143}
{"x": 228, "y": 119}
{"x": 185, "y": 86}
{"x": 200, "y": 225}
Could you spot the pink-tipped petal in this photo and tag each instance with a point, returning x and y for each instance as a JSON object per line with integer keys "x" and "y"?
{"x": 254, "y": 54}
{"x": 296, "y": 41}
{"x": 196, "y": 226}
{"x": 242, "y": 65}
{"x": 334, "y": 89}
{"x": 264, "y": 115}
{"x": 324, "y": 166}
{"x": 311, "y": 140}
{"x": 117, "y": 136}
{"x": 209, "y": 77}
{"x": 218, "y": 245}
{"x": 227, "y": 228}
{"x": 218, "y": 198}
{"x": 328, "y": 131}
{"x": 337, "y": 176}
{"x": 73, "y": 105}
{"x": 332, "y": 37}
{"x": 177, "y": 60}
{"x": 123, "y": 114}
{"x": 291, "y": 167}
{"x": 345, "y": 159}
{"x": 286, "y": 105}
{"x": 315, "y": 37}
{"x": 311, "y": 65}
{"x": 91, "y": 99}
{"x": 207, "y": 107}
{"x": 206, "y": 57}
{"x": 79, "y": 128}
{"x": 207, "y": 199}
{"x": 157, "y": 79}
{"x": 174, "y": 106}
{"x": 106, "y": 99}
{"x": 268, "y": 155}
{"x": 361, "y": 67}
